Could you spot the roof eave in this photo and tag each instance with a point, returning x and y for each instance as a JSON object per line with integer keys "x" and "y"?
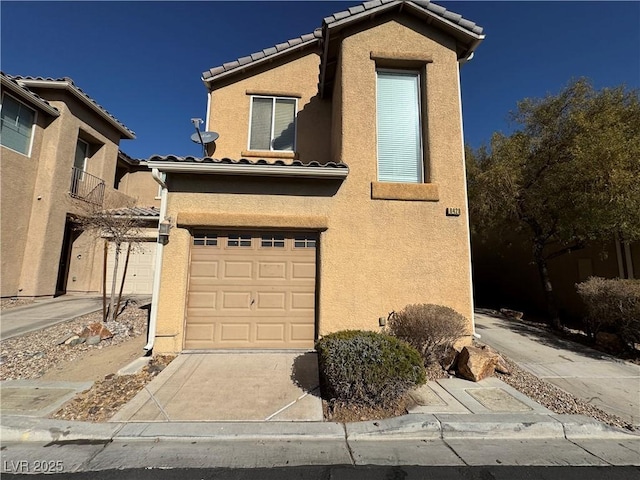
{"x": 26, "y": 96}
{"x": 252, "y": 170}
{"x": 65, "y": 85}
{"x": 243, "y": 68}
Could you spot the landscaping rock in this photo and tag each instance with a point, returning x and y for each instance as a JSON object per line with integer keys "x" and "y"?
{"x": 511, "y": 313}
{"x": 76, "y": 341}
{"x": 610, "y": 342}
{"x": 501, "y": 365}
{"x": 71, "y": 339}
{"x": 96, "y": 329}
{"x": 64, "y": 339}
{"x": 93, "y": 340}
{"x": 476, "y": 364}
{"x": 449, "y": 359}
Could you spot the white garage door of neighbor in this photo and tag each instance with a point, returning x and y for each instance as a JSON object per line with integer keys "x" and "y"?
{"x": 139, "y": 280}
{"x": 251, "y": 291}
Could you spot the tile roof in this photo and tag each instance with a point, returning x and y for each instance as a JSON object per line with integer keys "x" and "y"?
{"x": 263, "y": 55}
{"x": 29, "y": 81}
{"x": 367, "y": 7}
{"x": 128, "y": 159}
{"x": 423, "y": 4}
{"x": 241, "y": 161}
{"x": 37, "y": 99}
{"x": 150, "y": 212}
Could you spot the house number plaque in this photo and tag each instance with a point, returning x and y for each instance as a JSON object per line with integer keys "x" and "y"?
{"x": 453, "y": 212}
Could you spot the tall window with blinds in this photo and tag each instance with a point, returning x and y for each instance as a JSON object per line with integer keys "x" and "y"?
{"x": 273, "y": 124}
{"x": 16, "y": 125}
{"x": 399, "y": 127}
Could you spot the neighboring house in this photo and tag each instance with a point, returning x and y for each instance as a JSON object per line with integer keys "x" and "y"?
{"x": 338, "y": 190}
{"x": 60, "y": 158}
{"x": 507, "y": 277}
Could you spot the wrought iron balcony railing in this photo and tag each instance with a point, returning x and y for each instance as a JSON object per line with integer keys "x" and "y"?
{"x": 87, "y": 187}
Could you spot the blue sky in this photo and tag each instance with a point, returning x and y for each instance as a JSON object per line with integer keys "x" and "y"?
{"x": 142, "y": 60}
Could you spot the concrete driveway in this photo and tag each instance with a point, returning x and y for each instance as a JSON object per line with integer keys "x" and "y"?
{"x": 604, "y": 381}
{"x": 45, "y": 312}
{"x": 231, "y": 386}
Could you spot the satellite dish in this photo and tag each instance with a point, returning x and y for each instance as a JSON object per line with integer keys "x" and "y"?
{"x": 206, "y": 137}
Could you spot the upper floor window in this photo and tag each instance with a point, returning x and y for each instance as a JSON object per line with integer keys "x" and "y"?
{"x": 273, "y": 124}
{"x": 16, "y": 125}
{"x": 82, "y": 153}
{"x": 399, "y": 127}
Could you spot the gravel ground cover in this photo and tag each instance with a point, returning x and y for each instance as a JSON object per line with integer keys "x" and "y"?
{"x": 8, "y": 303}
{"x": 30, "y": 355}
{"x": 556, "y": 399}
{"x": 106, "y": 397}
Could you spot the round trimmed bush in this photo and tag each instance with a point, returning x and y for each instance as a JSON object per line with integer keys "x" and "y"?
{"x": 367, "y": 368}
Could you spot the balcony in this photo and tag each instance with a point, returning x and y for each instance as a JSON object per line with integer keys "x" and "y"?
{"x": 86, "y": 187}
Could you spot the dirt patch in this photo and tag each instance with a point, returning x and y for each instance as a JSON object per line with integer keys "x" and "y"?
{"x": 96, "y": 364}
{"x": 107, "y": 396}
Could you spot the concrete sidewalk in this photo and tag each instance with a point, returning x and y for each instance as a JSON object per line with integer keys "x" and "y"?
{"x": 600, "y": 379}
{"x": 46, "y": 312}
{"x": 415, "y": 439}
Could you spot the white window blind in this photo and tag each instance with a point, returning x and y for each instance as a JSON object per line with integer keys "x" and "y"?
{"x": 399, "y": 127}
{"x": 272, "y": 124}
{"x": 16, "y": 125}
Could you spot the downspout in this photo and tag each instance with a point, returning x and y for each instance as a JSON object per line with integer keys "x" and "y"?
{"x": 157, "y": 274}
{"x": 466, "y": 201}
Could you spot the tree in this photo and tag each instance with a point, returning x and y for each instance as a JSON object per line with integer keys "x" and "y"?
{"x": 569, "y": 174}
{"x": 114, "y": 225}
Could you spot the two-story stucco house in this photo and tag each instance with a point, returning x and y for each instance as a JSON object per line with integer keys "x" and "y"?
{"x": 60, "y": 159}
{"x": 335, "y": 192}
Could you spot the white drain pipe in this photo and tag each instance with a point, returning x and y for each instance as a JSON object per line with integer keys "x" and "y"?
{"x": 157, "y": 273}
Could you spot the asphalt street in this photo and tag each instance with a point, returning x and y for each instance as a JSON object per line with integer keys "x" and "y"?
{"x": 367, "y": 472}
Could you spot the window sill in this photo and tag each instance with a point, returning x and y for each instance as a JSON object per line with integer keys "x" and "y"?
{"x": 269, "y": 154}
{"x": 419, "y": 192}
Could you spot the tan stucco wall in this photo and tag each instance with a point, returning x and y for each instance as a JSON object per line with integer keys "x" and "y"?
{"x": 230, "y": 105}
{"x": 43, "y": 237}
{"x": 376, "y": 255}
{"x": 17, "y": 183}
{"x": 141, "y": 186}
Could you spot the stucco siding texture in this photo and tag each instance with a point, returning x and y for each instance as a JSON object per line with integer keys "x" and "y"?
{"x": 52, "y": 160}
{"x": 230, "y": 108}
{"x": 375, "y": 255}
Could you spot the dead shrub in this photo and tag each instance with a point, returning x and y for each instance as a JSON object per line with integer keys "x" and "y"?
{"x": 430, "y": 329}
{"x": 613, "y": 306}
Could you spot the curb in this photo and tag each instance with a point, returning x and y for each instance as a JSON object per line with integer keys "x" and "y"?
{"x": 407, "y": 427}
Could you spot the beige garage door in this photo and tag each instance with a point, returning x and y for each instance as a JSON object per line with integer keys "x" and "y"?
{"x": 139, "y": 278}
{"x": 251, "y": 291}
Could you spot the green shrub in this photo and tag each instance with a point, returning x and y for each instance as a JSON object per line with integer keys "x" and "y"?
{"x": 613, "y": 305}
{"x": 367, "y": 368}
{"x": 430, "y": 329}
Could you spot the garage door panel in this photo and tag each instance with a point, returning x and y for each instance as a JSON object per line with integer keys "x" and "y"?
{"x": 303, "y": 301}
{"x": 303, "y": 271}
{"x": 258, "y": 296}
{"x": 235, "y": 301}
{"x": 139, "y": 280}
{"x": 271, "y": 301}
{"x": 233, "y": 332}
{"x": 237, "y": 269}
{"x": 272, "y": 270}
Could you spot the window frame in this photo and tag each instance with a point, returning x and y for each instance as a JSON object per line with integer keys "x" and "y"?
{"x": 273, "y": 98}
{"x": 33, "y": 124}
{"x": 419, "y": 74}
{"x": 86, "y": 156}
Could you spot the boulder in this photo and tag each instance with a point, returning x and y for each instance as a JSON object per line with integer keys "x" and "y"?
{"x": 501, "y": 363}
{"x": 70, "y": 339}
{"x": 610, "y": 342}
{"x": 64, "y": 338}
{"x": 76, "y": 341}
{"x": 476, "y": 364}
{"x": 95, "y": 329}
{"x": 449, "y": 359}
{"x": 93, "y": 340}
{"x": 511, "y": 313}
